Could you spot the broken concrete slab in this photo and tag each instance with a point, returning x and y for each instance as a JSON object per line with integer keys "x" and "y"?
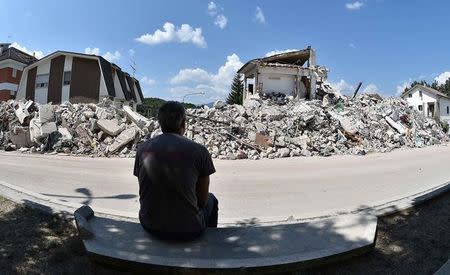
{"x": 21, "y": 112}
{"x": 20, "y": 136}
{"x": 397, "y": 126}
{"x": 123, "y": 139}
{"x": 110, "y": 126}
{"x": 84, "y": 134}
{"x": 138, "y": 119}
{"x": 46, "y": 113}
{"x": 219, "y": 105}
{"x": 65, "y": 134}
{"x": 40, "y": 130}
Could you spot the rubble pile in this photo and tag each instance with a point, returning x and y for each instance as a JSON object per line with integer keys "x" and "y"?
{"x": 273, "y": 127}
{"x": 96, "y": 130}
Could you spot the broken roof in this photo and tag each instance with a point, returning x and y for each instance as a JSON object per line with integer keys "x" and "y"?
{"x": 17, "y": 55}
{"x": 294, "y": 58}
{"x": 427, "y": 89}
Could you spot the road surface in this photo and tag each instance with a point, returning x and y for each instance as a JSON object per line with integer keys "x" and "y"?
{"x": 248, "y": 191}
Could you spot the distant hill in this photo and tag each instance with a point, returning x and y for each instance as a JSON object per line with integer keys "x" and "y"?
{"x": 151, "y": 105}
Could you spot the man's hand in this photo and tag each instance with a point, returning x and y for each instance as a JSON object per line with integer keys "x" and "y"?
{"x": 202, "y": 191}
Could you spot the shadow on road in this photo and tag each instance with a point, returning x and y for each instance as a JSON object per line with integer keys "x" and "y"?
{"x": 88, "y": 196}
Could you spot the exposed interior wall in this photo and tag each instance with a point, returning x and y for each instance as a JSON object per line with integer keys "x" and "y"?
{"x": 277, "y": 83}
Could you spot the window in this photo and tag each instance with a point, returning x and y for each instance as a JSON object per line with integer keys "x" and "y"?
{"x": 410, "y": 95}
{"x": 250, "y": 88}
{"x": 448, "y": 111}
{"x": 42, "y": 81}
{"x": 67, "y": 78}
{"x": 14, "y": 73}
{"x": 420, "y": 107}
{"x": 420, "y": 93}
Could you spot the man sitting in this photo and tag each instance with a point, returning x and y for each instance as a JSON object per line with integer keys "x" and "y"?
{"x": 173, "y": 174}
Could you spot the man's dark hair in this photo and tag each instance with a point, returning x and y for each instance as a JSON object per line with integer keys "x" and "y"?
{"x": 171, "y": 116}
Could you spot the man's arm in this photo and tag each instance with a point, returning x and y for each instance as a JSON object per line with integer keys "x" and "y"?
{"x": 202, "y": 191}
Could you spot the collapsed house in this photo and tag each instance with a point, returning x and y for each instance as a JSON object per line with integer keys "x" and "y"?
{"x": 293, "y": 74}
{"x": 77, "y": 78}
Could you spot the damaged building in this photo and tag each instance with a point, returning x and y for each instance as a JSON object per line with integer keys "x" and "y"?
{"x": 293, "y": 74}
{"x": 77, "y": 78}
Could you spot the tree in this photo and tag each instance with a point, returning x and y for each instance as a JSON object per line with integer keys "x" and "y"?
{"x": 236, "y": 95}
{"x": 444, "y": 88}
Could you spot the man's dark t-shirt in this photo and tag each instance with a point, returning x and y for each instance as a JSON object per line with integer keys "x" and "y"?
{"x": 168, "y": 168}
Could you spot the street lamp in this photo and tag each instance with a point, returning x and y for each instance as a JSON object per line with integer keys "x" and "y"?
{"x": 198, "y": 93}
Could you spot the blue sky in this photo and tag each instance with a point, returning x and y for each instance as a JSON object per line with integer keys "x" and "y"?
{"x": 199, "y": 45}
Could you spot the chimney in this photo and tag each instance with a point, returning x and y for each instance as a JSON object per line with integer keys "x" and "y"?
{"x": 4, "y": 47}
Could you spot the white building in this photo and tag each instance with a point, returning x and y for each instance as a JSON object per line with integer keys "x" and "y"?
{"x": 429, "y": 101}
{"x": 293, "y": 74}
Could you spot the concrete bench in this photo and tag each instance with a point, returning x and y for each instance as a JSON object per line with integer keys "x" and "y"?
{"x": 254, "y": 249}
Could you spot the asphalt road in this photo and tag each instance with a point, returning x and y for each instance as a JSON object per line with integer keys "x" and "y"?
{"x": 262, "y": 191}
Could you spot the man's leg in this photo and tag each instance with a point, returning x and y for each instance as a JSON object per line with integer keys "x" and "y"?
{"x": 211, "y": 211}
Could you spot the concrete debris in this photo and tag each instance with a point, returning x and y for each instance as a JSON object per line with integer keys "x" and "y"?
{"x": 123, "y": 139}
{"x": 110, "y": 126}
{"x": 261, "y": 128}
{"x": 274, "y": 128}
{"x": 96, "y": 130}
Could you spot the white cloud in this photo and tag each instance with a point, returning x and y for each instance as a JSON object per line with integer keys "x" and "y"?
{"x": 94, "y": 51}
{"x": 191, "y": 75}
{"x": 37, "y": 54}
{"x": 147, "y": 81}
{"x": 221, "y": 21}
{"x": 259, "y": 16}
{"x": 347, "y": 89}
{"x": 402, "y": 86}
{"x": 215, "y": 85}
{"x": 183, "y": 34}
{"x": 131, "y": 52}
{"x": 110, "y": 56}
{"x": 370, "y": 89}
{"x": 351, "y": 45}
{"x": 343, "y": 87}
{"x": 274, "y": 52}
{"x": 442, "y": 78}
{"x": 212, "y": 8}
{"x": 354, "y": 6}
